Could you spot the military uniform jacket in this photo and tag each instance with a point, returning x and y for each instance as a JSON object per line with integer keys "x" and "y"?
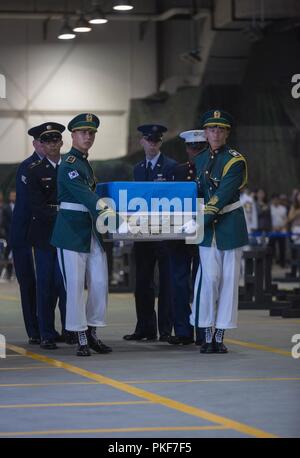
{"x": 221, "y": 176}
{"x": 76, "y": 184}
{"x": 163, "y": 169}
{"x": 22, "y": 214}
{"x": 185, "y": 172}
{"x": 42, "y": 193}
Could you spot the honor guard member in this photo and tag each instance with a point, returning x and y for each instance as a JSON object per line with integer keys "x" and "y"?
{"x": 21, "y": 248}
{"x": 80, "y": 247}
{"x": 155, "y": 166}
{"x": 42, "y": 193}
{"x": 222, "y": 173}
{"x": 185, "y": 258}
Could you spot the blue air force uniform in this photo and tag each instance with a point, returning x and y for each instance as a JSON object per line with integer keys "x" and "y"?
{"x": 42, "y": 192}
{"x": 147, "y": 254}
{"x": 22, "y": 250}
{"x": 221, "y": 174}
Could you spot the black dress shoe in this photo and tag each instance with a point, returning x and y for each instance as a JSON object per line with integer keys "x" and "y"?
{"x": 136, "y": 336}
{"x": 150, "y": 338}
{"x": 34, "y": 341}
{"x": 83, "y": 350}
{"x": 220, "y": 347}
{"x": 180, "y": 340}
{"x": 207, "y": 347}
{"x": 98, "y": 346}
{"x": 164, "y": 338}
{"x": 48, "y": 344}
{"x": 133, "y": 336}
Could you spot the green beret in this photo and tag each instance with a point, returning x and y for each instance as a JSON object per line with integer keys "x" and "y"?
{"x": 217, "y": 118}
{"x": 84, "y": 121}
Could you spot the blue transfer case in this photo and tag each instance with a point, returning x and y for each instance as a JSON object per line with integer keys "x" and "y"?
{"x": 123, "y": 194}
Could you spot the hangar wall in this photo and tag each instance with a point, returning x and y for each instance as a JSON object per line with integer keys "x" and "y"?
{"x": 51, "y": 79}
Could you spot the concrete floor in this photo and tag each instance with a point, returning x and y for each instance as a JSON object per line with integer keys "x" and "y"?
{"x": 150, "y": 389}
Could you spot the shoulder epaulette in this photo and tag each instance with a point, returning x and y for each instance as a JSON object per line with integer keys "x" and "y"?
{"x": 34, "y": 164}
{"x": 234, "y": 153}
{"x": 71, "y": 159}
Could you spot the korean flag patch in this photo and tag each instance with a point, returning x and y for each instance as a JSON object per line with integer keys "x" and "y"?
{"x": 73, "y": 174}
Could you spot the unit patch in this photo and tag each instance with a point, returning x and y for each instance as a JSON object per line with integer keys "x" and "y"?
{"x": 71, "y": 159}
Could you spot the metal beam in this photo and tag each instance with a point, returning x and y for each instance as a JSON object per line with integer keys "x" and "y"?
{"x": 59, "y": 15}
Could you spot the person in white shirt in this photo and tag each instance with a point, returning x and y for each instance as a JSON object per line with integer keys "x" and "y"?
{"x": 250, "y": 210}
{"x": 279, "y": 223}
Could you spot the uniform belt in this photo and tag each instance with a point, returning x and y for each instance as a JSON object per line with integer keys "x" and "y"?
{"x": 230, "y": 207}
{"x": 72, "y": 206}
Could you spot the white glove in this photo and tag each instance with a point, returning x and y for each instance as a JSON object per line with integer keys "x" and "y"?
{"x": 190, "y": 227}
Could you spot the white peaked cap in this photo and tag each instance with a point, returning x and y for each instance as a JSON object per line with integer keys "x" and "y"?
{"x": 193, "y": 136}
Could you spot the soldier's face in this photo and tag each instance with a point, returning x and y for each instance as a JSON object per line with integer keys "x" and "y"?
{"x": 12, "y": 196}
{"x": 83, "y": 139}
{"x": 52, "y": 149}
{"x": 216, "y": 136}
{"x": 151, "y": 147}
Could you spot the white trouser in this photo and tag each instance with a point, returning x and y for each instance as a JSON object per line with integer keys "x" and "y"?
{"x": 75, "y": 268}
{"x": 216, "y": 288}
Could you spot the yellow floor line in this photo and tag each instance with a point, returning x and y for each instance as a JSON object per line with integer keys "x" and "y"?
{"x": 20, "y": 385}
{"x": 113, "y": 430}
{"x": 259, "y": 347}
{"x": 167, "y": 402}
{"x": 25, "y": 368}
{"x": 72, "y": 404}
{"x": 133, "y": 382}
{"x": 250, "y": 379}
{"x": 9, "y": 298}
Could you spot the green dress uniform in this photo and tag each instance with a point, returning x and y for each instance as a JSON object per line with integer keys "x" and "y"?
{"x": 79, "y": 244}
{"x": 76, "y": 184}
{"x": 221, "y": 175}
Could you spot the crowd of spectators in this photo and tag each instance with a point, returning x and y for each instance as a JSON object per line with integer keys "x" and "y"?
{"x": 273, "y": 221}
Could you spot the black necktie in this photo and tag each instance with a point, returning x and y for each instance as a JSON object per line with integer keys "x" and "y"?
{"x": 148, "y": 171}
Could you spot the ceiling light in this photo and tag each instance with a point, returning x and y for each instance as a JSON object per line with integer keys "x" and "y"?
{"x": 98, "y": 17}
{"x": 123, "y": 6}
{"x": 66, "y": 32}
{"x": 82, "y": 25}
